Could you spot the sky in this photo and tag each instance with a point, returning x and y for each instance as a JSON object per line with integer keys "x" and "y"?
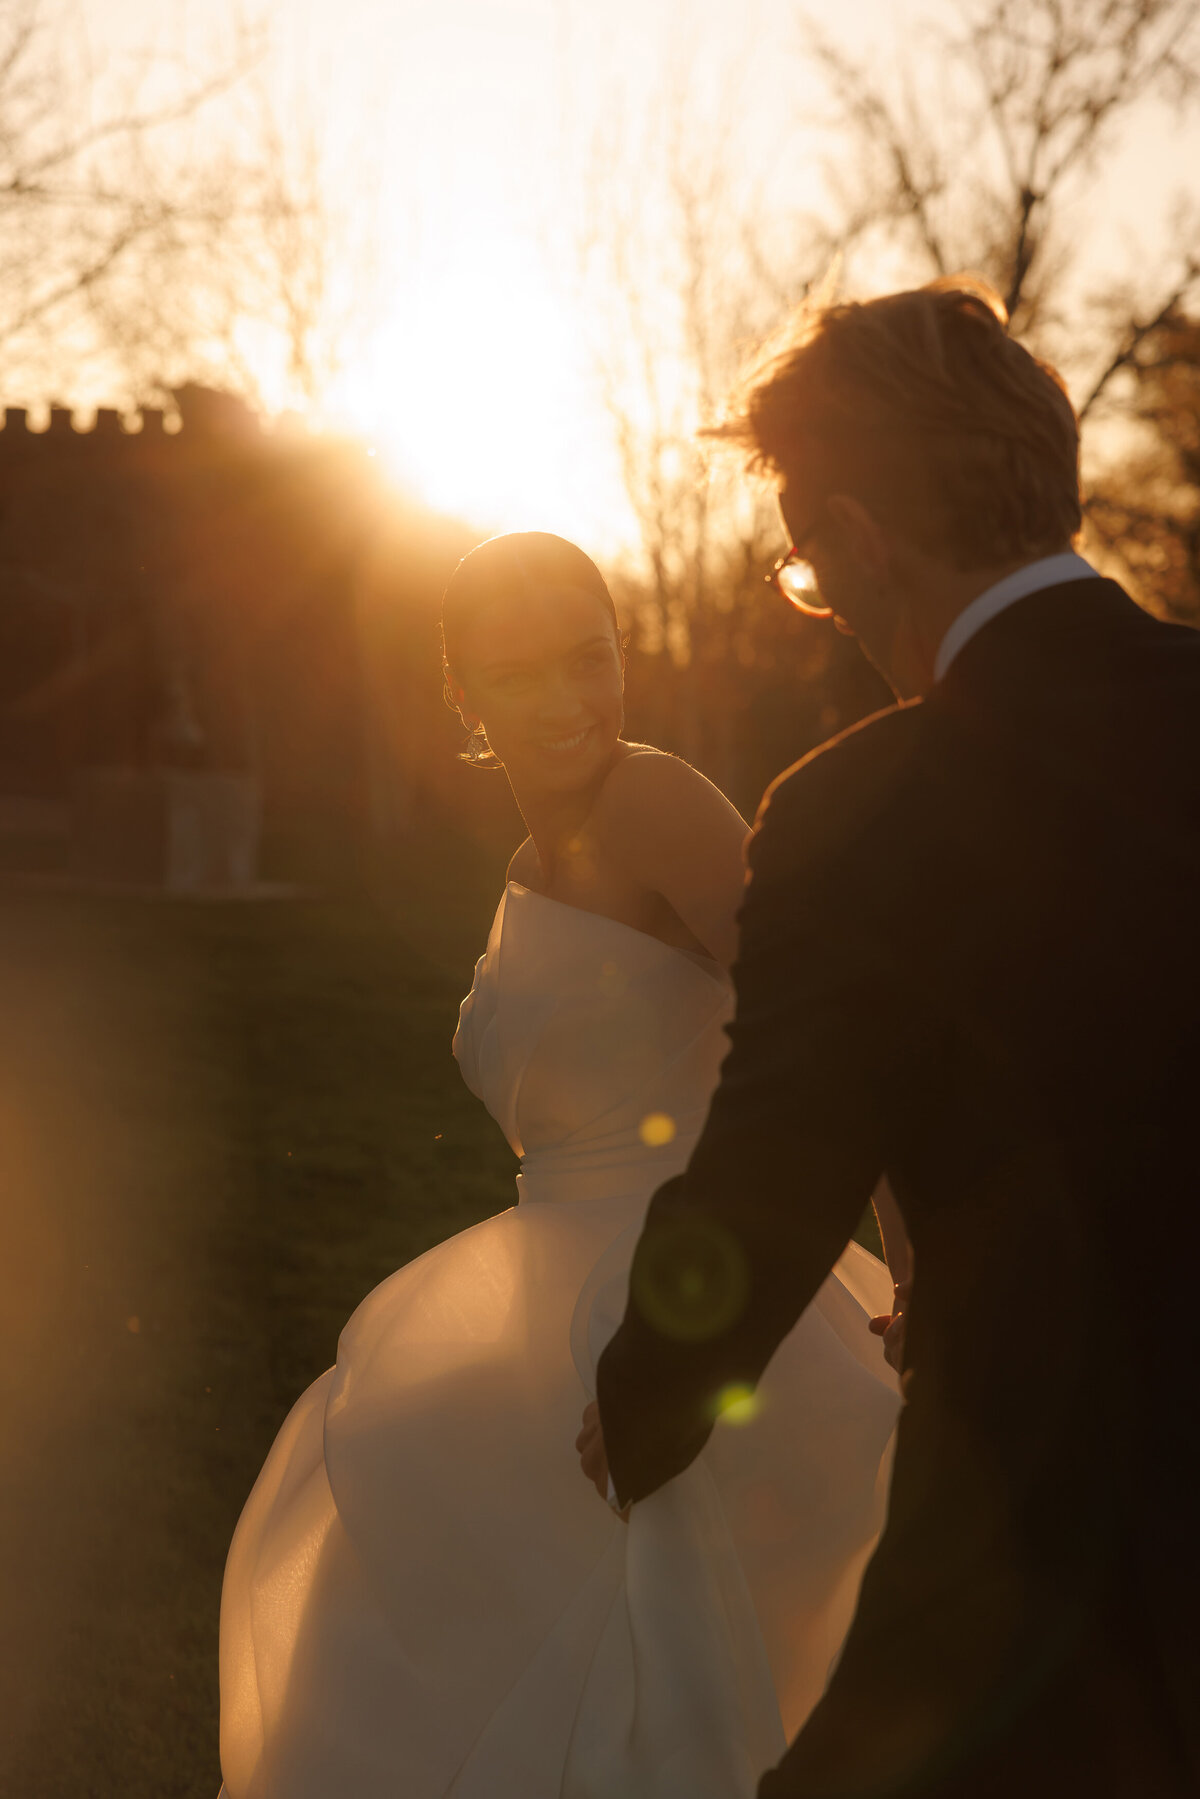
{"x": 480, "y": 118}
{"x": 459, "y": 140}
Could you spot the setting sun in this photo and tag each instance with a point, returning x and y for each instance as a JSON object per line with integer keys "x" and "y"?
{"x": 473, "y": 385}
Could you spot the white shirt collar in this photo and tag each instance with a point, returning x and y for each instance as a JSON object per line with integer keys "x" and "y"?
{"x": 1048, "y": 571}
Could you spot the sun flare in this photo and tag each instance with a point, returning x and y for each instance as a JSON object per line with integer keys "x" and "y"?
{"x": 473, "y": 390}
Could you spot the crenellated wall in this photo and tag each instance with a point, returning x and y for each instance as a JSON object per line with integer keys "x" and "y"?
{"x": 109, "y": 424}
{"x": 228, "y": 600}
{"x": 181, "y": 601}
{"x": 200, "y": 412}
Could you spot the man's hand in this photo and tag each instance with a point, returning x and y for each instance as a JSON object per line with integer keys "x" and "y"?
{"x": 593, "y": 1457}
{"x": 890, "y": 1326}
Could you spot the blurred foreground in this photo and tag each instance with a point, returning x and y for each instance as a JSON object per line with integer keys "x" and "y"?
{"x": 219, "y": 1127}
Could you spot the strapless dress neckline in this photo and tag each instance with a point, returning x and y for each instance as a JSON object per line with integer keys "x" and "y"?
{"x": 707, "y": 964}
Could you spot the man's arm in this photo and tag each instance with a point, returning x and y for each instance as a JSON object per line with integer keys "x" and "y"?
{"x": 735, "y": 1248}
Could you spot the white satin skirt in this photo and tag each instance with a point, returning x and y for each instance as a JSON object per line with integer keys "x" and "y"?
{"x": 425, "y": 1599}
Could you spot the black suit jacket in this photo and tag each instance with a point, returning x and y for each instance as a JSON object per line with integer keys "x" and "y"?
{"x": 970, "y": 958}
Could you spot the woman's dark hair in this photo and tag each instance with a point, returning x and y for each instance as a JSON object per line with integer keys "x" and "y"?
{"x": 513, "y": 566}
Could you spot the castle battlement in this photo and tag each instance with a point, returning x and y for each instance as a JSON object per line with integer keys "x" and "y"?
{"x": 109, "y": 423}
{"x": 203, "y": 412}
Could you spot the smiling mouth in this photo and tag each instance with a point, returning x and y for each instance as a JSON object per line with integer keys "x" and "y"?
{"x": 563, "y": 745}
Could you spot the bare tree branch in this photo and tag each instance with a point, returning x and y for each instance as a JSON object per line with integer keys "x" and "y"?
{"x": 131, "y": 227}
{"x": 70, "y": 151}
{"x": 1054, "y": 79}
{"x": 912, "y": 194}
{"x": 1137, "y": 334}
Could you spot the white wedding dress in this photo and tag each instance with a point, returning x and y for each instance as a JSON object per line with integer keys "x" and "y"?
{"x": 423, "y": 1598}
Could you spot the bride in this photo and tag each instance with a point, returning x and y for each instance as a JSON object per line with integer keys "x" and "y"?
{"x": 423, "y": 1599}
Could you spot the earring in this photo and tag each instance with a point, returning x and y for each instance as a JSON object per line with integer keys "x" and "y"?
{"x": 479, "y": 752}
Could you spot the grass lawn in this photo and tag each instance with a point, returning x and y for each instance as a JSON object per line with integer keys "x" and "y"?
{"x": 220, "y": 1126}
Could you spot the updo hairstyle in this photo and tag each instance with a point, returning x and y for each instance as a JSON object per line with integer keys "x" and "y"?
{"x": 511, "y": 567}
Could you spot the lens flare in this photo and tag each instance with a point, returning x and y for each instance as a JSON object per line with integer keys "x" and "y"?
{"x": 656, "y": 1129}
{"x": 737, "y": 1404}
{"x": 690, "y": 1279}
{"x": 581, "y": 859}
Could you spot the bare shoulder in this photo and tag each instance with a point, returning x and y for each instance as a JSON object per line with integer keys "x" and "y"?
{"x": 524, "y": 867}
{"x": 650, "y": 785}
{"x": 674, "y": 836}
{"x": 673, "y": 832}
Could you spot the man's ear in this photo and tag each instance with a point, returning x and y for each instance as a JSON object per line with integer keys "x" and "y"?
{"x": 860, "y": 534}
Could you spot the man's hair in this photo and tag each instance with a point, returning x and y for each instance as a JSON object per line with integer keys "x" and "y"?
{"x": 923, "y": 407}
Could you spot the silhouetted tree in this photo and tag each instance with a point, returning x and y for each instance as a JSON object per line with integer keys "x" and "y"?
{"x": 672, "y": 240}
{"x": 1145, "y": 510}
{"x": 982, "y": 153}
{"x": 156, "y": 225}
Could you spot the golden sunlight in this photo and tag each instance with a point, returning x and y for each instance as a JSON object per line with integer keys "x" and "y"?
{"x": 473, "y": 392}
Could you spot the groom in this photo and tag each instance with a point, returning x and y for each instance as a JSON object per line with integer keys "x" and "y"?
{"x": 970, "y": 960}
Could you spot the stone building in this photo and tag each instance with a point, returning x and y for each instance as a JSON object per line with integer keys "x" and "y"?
{"x": 180, "y": 653}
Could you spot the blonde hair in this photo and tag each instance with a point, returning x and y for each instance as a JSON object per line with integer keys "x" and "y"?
{"x": 921, "y": 405}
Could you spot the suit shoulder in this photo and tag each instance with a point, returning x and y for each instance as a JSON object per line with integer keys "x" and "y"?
{"x": 851, "y": 774}
{"x": 834, "y": 802}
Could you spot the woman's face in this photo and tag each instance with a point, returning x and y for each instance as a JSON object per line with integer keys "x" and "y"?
{"x": 545, "y": 674}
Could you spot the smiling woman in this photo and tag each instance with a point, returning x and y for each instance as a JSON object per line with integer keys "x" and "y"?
{"x": 533, "y": 658}
{"x": 534, "y": 664}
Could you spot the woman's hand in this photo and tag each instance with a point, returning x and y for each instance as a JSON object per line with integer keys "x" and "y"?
{"x": 593, "y": 1457}
{"x": 891, "y": 1327}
